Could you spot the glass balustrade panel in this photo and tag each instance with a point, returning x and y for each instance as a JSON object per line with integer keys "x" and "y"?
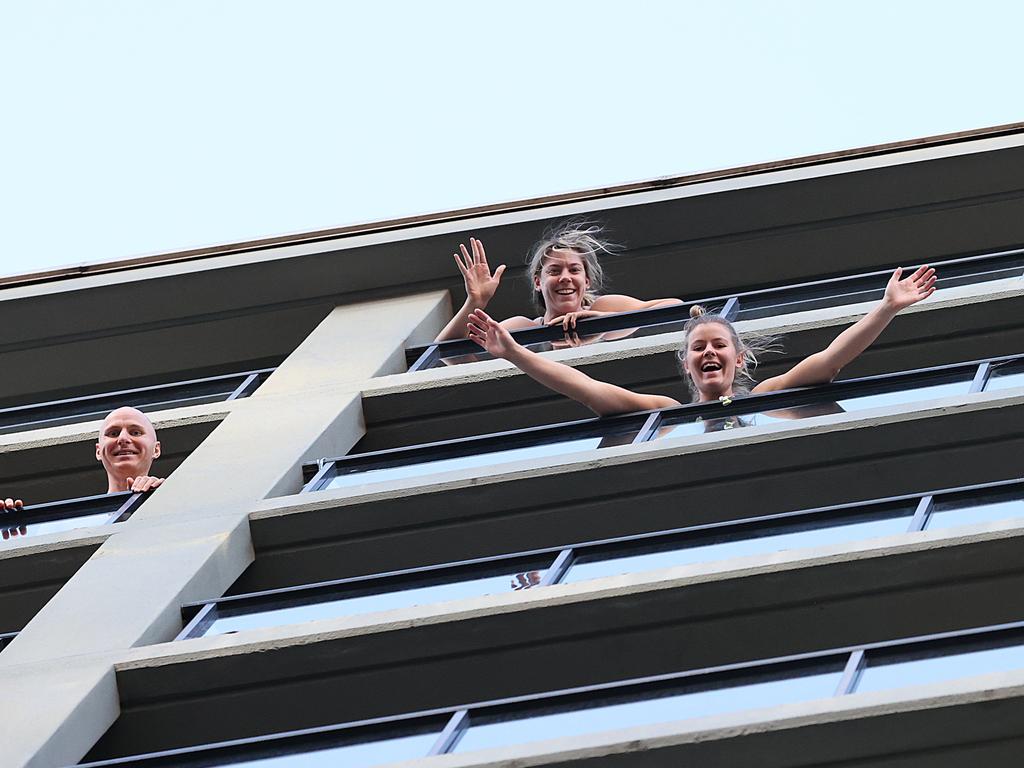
{"x": 401, "y": 596}
{"x": 974, "y": 509}
{"x": 742, "y": 542}
{"x": 1006, "y": 376}
{"x": 947, "y": 385}
{"x": 409, "y": 468}
{"x": 894, "y": 672}
{"x": 644, "y": 709}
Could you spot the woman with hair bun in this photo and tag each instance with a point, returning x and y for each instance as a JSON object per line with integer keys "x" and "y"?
{"x": 567, "y": 281}
{"x": 715, "y": 359}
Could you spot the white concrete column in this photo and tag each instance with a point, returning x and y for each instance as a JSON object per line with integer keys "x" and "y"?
{"x": 191, "y": 539}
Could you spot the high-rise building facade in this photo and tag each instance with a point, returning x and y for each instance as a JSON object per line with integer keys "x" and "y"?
{"x": 374, "y": 549}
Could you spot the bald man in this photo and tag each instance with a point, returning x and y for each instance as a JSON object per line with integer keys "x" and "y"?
{"x": 126, "y": 447}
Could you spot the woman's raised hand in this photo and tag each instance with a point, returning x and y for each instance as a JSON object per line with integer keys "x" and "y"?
{"x": 901, "y": 293}
{"x": 480, "y": 283}
{"x": 489, "y": 334}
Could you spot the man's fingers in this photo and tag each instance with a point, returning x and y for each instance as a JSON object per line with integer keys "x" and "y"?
{"x": 478, "y": 249}
{"x": 129, "y": 483}
{"x": 498, "y": 272}
{"x": 459, "y": 264}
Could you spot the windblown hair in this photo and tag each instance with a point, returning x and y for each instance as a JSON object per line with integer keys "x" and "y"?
{"x": 585, "y": 238}
{"x": 753, "y": 346}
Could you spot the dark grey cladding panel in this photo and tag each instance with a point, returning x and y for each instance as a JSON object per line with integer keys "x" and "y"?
{"x": 618, "y": 637}
{"x": 29, "y": 580}
{"x": 711, "y": 485}
{"x": 914, "y": 340}
{"x": 70, "y": 470}
{"x": 690, "y": 246}
{"x": 140, "y": 354}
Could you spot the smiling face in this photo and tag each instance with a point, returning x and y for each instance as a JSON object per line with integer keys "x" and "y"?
{"x": 711, "y": 360}
{"x": 562, "y": 282}
{"x": 127, "y": 446}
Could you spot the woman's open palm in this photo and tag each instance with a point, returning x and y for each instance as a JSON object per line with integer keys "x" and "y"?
{"x": 901, "y": 293}
{"x": 480, "y": 283}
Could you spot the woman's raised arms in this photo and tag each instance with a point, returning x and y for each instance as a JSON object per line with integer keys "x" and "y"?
{"x": 822, "y": 367}
{"x": 602, "y": 398}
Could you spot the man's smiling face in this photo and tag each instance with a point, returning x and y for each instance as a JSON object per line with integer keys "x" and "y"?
{"x": 127, "y": 443}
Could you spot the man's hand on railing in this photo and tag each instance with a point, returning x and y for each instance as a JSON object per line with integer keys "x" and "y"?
{"x": 11, "y": 505}
{"x": 10, "y": 531}
{"x": 143, "y": 483}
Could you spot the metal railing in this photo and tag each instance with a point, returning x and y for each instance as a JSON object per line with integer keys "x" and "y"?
{"x": 160, "y": 396}
{"x": 752, "y": 685}
{"x": 66, "y": 514}
{"x": 747, "y": 305}
{"x": 652, "y": 425}
{"x": 578, "y": 561}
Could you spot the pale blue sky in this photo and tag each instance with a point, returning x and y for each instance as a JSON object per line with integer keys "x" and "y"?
{"x": 136, "y": 127}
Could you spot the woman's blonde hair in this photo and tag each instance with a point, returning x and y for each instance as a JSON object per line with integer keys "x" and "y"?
{"x": 585, "y": 238}
{"x": 753, "y": 346}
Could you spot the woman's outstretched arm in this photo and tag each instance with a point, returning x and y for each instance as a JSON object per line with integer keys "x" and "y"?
{"x": 480, "y": 287}
{"x": 602, "y": 398}
{"x": 822, "y": 367}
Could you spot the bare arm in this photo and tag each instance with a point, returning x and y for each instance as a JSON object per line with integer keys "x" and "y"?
{"x": 822, "y": 367}
{"x": 480, "y": 287}
{"x": 607, "y": 305}
{"x": 602, "y": 398}
{"x": 617, "y": 302}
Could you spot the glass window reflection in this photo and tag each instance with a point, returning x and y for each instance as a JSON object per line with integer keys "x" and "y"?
{"x": 908, "y": 395}
{"x": 897, "y": 673}
{"x": 741, "y": 544}
{"x": 947, "y": 386}
{"x": 1005, "y": 376}
{"x": 354, "y": 755}
{"x": 10, "y": 532}
{"x": 971, "y": 510}
{"x": 418, "y": 469}
{"x": 646, "y": 709}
